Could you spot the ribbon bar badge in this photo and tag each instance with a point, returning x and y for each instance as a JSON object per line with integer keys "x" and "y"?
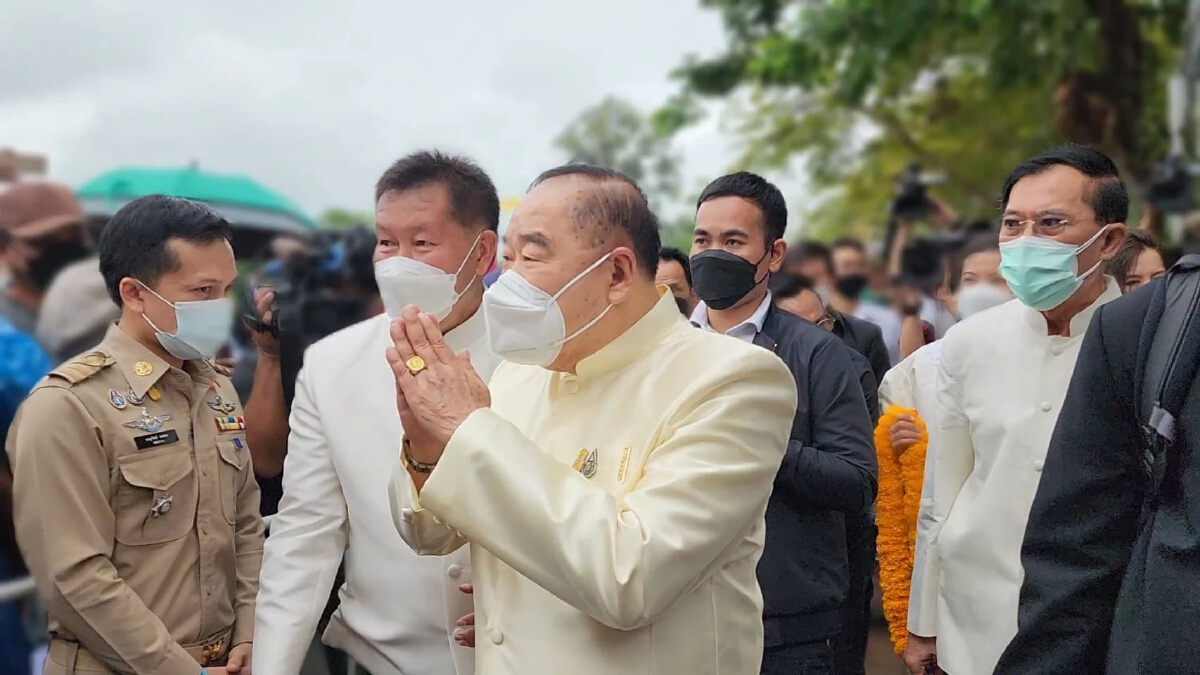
{"x": 231, "y": 424}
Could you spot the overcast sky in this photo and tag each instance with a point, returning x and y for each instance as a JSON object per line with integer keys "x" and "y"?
{"x": 315, "y": 97}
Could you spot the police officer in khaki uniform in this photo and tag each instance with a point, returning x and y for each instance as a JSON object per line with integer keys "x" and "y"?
{"x": 135, "y": 503}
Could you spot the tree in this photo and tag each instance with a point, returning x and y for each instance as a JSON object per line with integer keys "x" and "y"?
{"x": 615, "y": 134}
{"x": 339, "y": 219}
{"x": 859, "y": 88}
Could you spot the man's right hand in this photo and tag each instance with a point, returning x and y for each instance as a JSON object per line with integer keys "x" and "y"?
{"x": 920, "y": 656}
{"x": 904, "y": 433}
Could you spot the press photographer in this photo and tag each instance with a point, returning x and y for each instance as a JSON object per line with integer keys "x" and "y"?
{"x": 306, "y": 293}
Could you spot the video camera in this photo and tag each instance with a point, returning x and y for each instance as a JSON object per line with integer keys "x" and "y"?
{"x": 910, "y": 200}
{"x": 322, "y": 288}
{"x": 1169, "y": 188}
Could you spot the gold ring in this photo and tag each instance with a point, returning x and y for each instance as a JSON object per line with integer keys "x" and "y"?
{"x": 415, "y": 364}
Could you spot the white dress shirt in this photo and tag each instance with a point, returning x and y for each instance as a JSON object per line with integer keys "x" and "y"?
{"x": 744, "y": 331}
{"x": 398, "y": 611}
{"x": 1000, "y": 386}
{"x": 615, "y": 514}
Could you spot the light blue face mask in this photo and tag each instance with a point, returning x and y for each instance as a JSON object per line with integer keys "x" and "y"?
{"x": 202, "y": 327}
{"x": 1042, "y": 272}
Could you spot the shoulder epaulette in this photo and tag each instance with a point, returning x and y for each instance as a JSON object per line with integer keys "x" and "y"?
{"x": 221, "y": 370}
{"x": 83, "y": 367}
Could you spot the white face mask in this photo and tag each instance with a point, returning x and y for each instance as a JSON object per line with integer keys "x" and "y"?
{"x": 404, "y": 281}
{"x": 525, "y": 323}
{"x": 978, "y": 297}
{"x": 201, "y": 327}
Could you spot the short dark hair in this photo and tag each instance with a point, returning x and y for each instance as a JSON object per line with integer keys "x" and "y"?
{"x": 783, "y": 285}
{"x": 1107, "y": 196}
{"x": 977, "y": 243}
{"x": 474, "y": 201}
{"x": 1136, "y": 241}
{"x": 670, "y": 253}
{"x": 754, "y": 188}
{"x": 134, "y": 242}
{"x": 807, "y": 250}
{"x": 616, "y": 203}
{"x": 848, "y": 242}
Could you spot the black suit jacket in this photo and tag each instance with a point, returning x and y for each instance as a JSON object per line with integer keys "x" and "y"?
{"x": 865, "y": 338}
{"x": 829, "y": 470}
{"x": 1100, "y": 596}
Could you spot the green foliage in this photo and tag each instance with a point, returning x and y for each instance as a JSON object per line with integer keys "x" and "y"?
{"x": 856, "y": 89}
{"x": 340, "y": 219}
{"x": 615, "y": 134}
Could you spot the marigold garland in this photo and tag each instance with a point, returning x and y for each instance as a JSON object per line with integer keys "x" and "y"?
{"x": 896, "y": 509}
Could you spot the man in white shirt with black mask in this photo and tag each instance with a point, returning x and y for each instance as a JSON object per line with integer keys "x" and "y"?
{"x": 436, "y": 220}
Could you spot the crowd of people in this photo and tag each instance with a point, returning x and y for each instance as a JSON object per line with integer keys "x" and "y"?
{"x": 571, "y": 449}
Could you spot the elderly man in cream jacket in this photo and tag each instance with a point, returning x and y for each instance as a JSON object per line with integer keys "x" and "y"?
{"x": 1002, "y": 378}
{"x": 612, "y": 484}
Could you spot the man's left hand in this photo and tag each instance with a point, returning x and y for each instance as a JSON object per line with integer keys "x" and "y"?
{"x": 442, "y": 394}
{"x": 239, "y": 660}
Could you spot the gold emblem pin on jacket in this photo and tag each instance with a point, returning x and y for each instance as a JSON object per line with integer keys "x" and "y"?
{"x": 585, "y": 463}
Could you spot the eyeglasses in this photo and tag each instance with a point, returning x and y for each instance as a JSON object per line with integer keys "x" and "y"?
{"x": 825, "y": 322}
{"x": 1047, "y": 226}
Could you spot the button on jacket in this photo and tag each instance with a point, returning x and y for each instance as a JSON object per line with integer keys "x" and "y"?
{"x": 136, "y": 508}
{"x": 615, "y": 515}
{"x": 398, "y": 611}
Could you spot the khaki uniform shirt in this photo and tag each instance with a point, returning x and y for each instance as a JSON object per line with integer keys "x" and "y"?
{"x": 136, "y": 507}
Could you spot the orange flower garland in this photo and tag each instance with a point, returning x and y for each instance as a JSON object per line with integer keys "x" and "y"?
{"x": 896, "y": 509}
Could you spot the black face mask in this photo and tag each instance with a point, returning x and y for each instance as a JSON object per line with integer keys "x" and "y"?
{"x": 851, "y": 286}
{"x": 46, "y": 266}
{"x": 721, "y": 278}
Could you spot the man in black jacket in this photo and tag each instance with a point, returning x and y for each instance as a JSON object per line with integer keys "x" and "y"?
{"x": 829, "y": 469}
{"x": 813, "y": 262}
{"x": 794, "y": 295}
{"x": 1101, "y": 595}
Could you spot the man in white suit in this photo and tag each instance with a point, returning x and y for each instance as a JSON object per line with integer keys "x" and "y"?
{"x": 1001, "y": 380}
{"x": 613, "y": 482}
{"x": 436, "y": 218}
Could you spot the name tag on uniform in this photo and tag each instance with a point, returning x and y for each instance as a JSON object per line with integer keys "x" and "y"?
{"x": 156, "y": 440}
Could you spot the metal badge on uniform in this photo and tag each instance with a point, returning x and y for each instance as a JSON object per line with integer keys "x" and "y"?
{"x": 147, "y": 422}
{"x": 219, "y": 405}
{"x": 231, "y": 424}
{"x": 133, "y": 398}
{"x": 142, "y": 368}
{"x": 156, "y": 440}
{"x": 116, "y": 399}
{"x": 586, "y": 463}
{"x": 154, "y": 394}
{"x": 162, "y": 506}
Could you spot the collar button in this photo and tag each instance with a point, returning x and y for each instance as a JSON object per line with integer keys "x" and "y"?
{"x": 571, "y": 385}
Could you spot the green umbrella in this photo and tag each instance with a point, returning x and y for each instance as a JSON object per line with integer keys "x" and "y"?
{"x": 240, "y": 199}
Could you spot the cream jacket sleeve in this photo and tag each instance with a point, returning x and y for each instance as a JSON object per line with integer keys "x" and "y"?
{"x": 949, "y": 461}
{"x": 424, "y": 532}
{"x": 703, "y": 487}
